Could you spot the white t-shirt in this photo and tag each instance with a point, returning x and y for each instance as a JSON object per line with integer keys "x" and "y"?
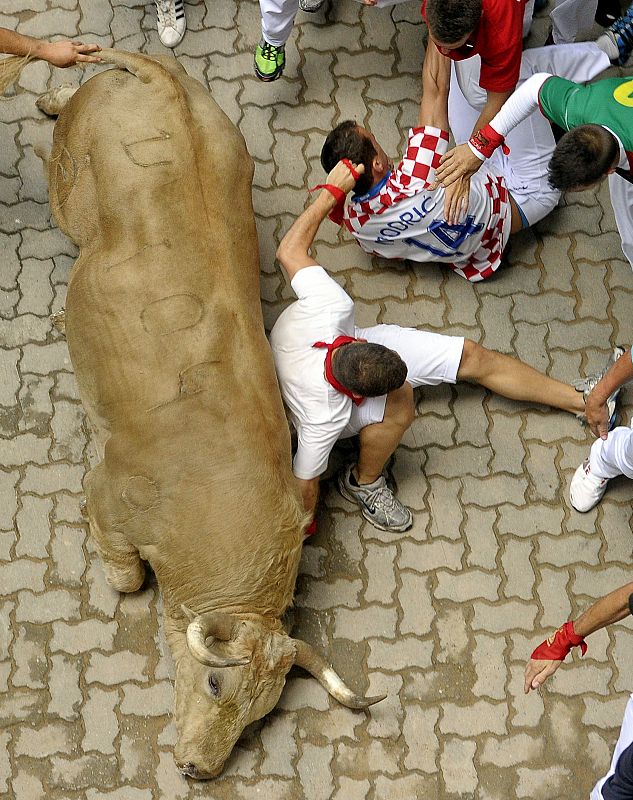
{"x": 320, "y": 413}
{"x": 401, "y": 218}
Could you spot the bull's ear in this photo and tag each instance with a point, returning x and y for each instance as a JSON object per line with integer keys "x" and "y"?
{"x": 191, "y": 615}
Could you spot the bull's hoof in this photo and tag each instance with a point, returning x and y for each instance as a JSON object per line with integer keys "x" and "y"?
{"x": 53, "y": 101}
{"x": 124, "y": 580}
{"x": 59, "y": 321}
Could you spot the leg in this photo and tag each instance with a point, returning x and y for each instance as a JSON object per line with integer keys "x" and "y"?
{"x": 378, "y": 441}
{"x": 571, "y": 18}
{"x": 278, "y": 17}
{"x": 614, "y": 455}
{"x": 365, "y": 484}
{"x": 622, "y": 201}
{"x": 516, "y": 380}
{"x": 623, "y": 744}
{"x": 122, "y": 565}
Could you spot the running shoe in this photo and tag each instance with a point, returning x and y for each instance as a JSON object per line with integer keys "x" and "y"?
{"x": 172, "y": 22}
{"x": 377, "y": 502}
{"x": 269, "y": 61}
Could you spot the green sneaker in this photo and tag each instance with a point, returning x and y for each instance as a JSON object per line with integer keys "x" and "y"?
{"x": 269, "y": 61}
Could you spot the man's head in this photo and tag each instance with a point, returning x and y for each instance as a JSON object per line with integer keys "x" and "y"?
{"x": 349, "y": 140}
{"x": 451, "y": 22}
{"x": 583, "y": 157}
{"x": 367, "y": 369}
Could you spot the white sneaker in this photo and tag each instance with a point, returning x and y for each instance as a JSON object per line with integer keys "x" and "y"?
{"x": 172, "y": 22}
{"x": 586, "y": 490}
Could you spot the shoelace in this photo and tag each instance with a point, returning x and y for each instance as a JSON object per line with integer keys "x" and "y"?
{"x": 623, "y": 27}
{"x": 381, "y": 499}
{"x": 167, "y": 11}
{"x": 269, "y": 51}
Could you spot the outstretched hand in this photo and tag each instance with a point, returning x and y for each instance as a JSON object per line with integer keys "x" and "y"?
{"x": 456, "y": 200}
{"x": 537, "y": 671}
{"x": 460, "y": 162}
{"x": 341, "y": 176}
{"x": 597, "y": 416}
{"x": 67, "y": 54}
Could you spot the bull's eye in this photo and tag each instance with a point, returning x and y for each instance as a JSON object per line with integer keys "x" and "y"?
{"x": 214, "y": 685}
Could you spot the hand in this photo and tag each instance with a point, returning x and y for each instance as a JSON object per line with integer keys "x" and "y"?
{"x": 597, "y": 416}
{"x": 370, "y": 2}
{"x": 537, "y": 672}
{"x": 342, "y": 177}
{"x": 456, "y": 200}
{"x": 67, "y": 54}
{"x": 458, "y": 163}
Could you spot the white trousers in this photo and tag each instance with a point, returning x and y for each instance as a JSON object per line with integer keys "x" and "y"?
{"x": 622, "y": 202}
{"x": 278, "y": 17}
{"x": 626, "y": 738}
{"x": 570, "y": 18}
{"x": 532, "y": 142}
{"x": 613, "y": 456}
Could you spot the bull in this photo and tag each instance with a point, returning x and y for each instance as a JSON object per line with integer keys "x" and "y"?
{"x": 165, "y": 332}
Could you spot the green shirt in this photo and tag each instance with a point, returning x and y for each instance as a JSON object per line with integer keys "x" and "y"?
{"x": 608, "y": 103}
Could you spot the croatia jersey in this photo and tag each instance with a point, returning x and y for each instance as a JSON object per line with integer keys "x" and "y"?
{"x": 402, "y": 218}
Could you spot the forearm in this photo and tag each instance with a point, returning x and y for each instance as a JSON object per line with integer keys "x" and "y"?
{"x": 493, "y": 106}
{"x": 612, "y": 608}
{"x": 309, "y": 493}
{"x": 620, "y": 373}
{"x": 16, "y": 44}
{"x": 520, "y": 105}
{"x": 293, "y": 251}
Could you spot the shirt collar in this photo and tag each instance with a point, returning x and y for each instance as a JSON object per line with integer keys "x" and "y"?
{"x": 362, "y": 198}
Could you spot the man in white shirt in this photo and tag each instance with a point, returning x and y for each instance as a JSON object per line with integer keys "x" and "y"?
{"x": 338, "y": 380}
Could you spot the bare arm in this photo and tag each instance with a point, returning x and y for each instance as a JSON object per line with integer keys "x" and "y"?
{"x": 59, "y": 54}
{"x": 293, "y": 252}
{"x": 612, "y": 608}
{"x": 596, "y": 406}
{"x": 436, "y": 76}
{"x": 309, "y": 492}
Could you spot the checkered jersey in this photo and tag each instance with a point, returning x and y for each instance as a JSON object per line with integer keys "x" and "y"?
{"x": 404, "y": 219}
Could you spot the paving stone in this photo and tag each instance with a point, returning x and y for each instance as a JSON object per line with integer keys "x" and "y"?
{"x": 358, "y": 624}
{"x": 313, "y": 767}
{"x": 5, "y": 763}
{"x": 33, "y": 526}
{"x": 116, "y": 667}
{"x": 516, "y": 565}
{"x": 350, "y": 789}
{"x": 279, "y": 745}
{"x": 42, "y": 608}
{"x": 9, "y": 378}
{"x": 414, "y": 598}
{"x": 22, "y": 574}
{"x": 400, "y": 654}
{"x": 468, "y": 585}
{"x": 386, "y": 717}
{"x": 50, "y": 479}
{"x": 100, "y": 722}
{"x": 44, "y": 741}
{"x": 381, "y": 581}
{"x": 489, "y": 664}
{"x": 452, "y": 635}
{"x": 86, "y": 635}
{"x": 66, "y": 694}
{"x": 152, "y": 701}
{"x": 505, "y": 616}
{"x": 457, "y": 765}
{"x": 30, "y": 660}
{"x": 480, "y": 535}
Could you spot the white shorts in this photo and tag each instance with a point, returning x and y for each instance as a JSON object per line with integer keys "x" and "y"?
{"x": 431, "y": 359}
{"x": 624, "y": 741}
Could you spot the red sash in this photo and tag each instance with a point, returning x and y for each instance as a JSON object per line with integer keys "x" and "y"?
{"x": 340, "y": 340}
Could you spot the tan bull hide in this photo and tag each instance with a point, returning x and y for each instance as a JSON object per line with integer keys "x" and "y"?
{"x": 164, "y": 326}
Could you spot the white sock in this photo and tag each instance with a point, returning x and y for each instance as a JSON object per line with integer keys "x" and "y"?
{"x": 606, "y": 42}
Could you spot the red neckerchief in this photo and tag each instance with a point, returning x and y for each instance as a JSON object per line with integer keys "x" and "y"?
{"x": 329, "y": 375}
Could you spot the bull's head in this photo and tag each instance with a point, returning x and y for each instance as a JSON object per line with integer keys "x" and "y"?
{"x": 231, "y": 674}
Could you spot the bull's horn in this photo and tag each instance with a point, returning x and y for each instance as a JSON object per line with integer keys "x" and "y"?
{"x": 219, "y": 626}
{"x": 316, "y": 665}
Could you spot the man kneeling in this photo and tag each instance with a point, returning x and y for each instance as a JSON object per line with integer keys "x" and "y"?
{"x": 338, "y": 380}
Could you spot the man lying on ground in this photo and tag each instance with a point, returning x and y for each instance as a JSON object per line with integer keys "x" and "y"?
{"x": 338, "y": 380}
{"x": 400, "y": 213}
{"x": 598, "y": 119}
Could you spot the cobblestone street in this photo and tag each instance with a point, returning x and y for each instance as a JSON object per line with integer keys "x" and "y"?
{"x": 441, "y": 618}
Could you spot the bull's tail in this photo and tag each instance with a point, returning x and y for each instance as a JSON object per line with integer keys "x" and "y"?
{"x": 143, "y": 66}
{"x": 10, "y": 69}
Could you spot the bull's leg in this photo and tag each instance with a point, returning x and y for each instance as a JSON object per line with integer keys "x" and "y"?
{"x": 122, "y": 564}
{"x": 53, "y": 101}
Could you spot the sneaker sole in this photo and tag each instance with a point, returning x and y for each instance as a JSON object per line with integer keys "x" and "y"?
{"x": 268, "y": 78}
{"x": 348, "y": 496}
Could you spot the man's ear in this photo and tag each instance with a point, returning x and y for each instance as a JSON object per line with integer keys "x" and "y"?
{"x": 378, "y": 165}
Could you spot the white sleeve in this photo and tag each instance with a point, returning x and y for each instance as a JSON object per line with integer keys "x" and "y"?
{"x": 314, "y": 287}
{"x": 314, "y": 445}
{"x": 519, "y": 105}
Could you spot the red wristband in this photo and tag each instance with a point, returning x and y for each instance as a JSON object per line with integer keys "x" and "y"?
{"x": 336, "y": 215}
{"x": 311, "y": 529}
{"x": 486, "y": 141}
{"x": 559, "y": 644}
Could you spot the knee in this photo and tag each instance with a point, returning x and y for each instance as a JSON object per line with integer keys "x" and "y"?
{"x": 473, "y": 361}
{"x": 402, "y": 406}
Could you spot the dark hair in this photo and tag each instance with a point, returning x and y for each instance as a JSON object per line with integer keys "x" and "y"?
{"x": 369, "y": 369}
{"x": 451, "y": 20}
{"x": 346, "y": 141}
{"x": 582, "y": 156}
